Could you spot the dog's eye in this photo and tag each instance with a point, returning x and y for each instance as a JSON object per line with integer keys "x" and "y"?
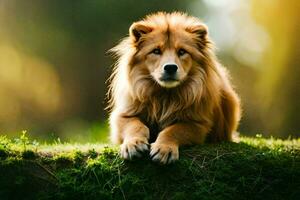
{"x": 156, "y": 51}
{"x": 181, "y": 52}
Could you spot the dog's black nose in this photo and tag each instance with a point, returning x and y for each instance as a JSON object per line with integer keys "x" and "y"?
{"x": 170, "y": 69}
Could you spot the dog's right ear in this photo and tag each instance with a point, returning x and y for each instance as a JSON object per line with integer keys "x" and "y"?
{"x": 200, "y": 30}
{"x": 138, "y": 30}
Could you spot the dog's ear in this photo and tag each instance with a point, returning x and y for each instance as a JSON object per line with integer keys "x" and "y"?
{"x": 138, "y": 29}
{"x": 200, "y": 30}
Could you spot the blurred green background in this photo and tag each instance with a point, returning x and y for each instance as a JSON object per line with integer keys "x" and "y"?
{"x": 53, "y": 61}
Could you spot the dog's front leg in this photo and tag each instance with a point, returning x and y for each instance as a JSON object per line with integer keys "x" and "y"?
{"x": 133, "y": 136}
{"x": 165, "y": 148}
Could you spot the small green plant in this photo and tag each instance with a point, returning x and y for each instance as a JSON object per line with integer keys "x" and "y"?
{"x": 24, "y": 139}
{"x": 56, "y": 141}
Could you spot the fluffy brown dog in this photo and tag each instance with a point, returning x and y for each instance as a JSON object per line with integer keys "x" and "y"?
{"x": 168, "y": 89}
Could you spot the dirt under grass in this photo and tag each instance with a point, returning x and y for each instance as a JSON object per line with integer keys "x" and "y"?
{"x": 255, "y": 168}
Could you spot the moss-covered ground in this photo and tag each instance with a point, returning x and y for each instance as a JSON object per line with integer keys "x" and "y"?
{"x": 255, "y": 168}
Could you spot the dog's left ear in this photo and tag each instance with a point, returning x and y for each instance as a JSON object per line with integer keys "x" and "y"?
{"x": 200, "y": 30}
{"x": 138, "y": 30}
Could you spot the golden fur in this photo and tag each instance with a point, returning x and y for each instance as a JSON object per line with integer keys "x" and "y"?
{"x": 200, "y": 105}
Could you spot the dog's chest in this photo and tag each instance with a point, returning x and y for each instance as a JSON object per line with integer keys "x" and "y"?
{"x": 154, "y": 131}
{"x": 163, "y": 110}
{"x": 155, "y": 123}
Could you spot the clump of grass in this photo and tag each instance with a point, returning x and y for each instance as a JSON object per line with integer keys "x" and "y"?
{"x": 255, "y": 168}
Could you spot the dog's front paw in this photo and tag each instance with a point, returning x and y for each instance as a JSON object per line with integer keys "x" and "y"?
{"x": 164, "y": 153}
{"x": 133, "y": 147}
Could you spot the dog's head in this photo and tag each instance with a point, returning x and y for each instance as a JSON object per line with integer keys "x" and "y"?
{"x": 169, "y": 47}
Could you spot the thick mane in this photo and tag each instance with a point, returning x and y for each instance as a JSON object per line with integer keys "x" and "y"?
{"x": 135, "y": 92}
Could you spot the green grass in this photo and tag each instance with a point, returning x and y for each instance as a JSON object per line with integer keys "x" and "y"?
{"x": 255, "y": 168}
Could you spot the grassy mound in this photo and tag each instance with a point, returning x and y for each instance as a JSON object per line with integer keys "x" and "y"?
{"x": 255, "y": 168}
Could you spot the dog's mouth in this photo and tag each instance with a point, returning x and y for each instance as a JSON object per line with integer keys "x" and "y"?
{"x": 168, "y": 77}
{"x": 168, "y": 81}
